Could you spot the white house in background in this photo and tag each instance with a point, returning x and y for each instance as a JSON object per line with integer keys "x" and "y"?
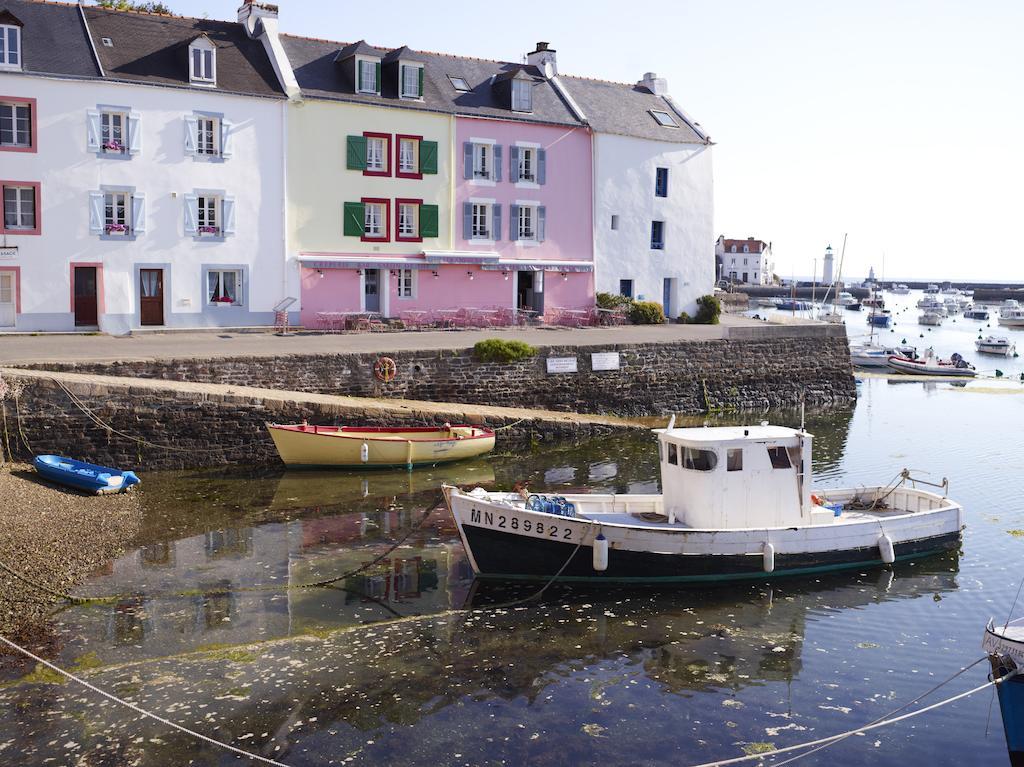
{"x": 653, "y": 192}
{"x": 748, "y": 261}
{"x": 147, "y": 189}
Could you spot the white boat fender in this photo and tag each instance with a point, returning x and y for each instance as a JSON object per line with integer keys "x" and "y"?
{"x": 768, "y": 555}
{"x": 600, "y": 553}
{"x": 364, "y": 453}
{"x": 886, "y": 549}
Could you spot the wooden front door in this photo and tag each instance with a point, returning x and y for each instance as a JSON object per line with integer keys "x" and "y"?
{"x": 85, "y": 296}
{"x": 151, "y": 296}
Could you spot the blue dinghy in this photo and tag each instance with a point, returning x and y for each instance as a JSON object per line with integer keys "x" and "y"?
{"x": 89, "y": 477}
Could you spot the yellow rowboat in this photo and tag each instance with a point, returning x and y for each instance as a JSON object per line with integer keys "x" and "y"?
{"x": 353, "y": 447}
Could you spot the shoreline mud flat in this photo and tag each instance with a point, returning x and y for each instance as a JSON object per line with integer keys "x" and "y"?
{"x": 55, "y": 538}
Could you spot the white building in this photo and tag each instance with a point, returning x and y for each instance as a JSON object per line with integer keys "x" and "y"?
{"x": 148, "y": 188}
{"x": 748, "y": 261}
{"x": 653, "y": 193}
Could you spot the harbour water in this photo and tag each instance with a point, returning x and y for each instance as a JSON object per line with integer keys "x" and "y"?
{"x": 210, "y": 629}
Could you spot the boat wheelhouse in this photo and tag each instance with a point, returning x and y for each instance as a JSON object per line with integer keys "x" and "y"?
{"x": 736, "y": 503}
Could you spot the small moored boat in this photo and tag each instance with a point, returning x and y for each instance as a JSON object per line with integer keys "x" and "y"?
{"x": 900, "y": 289}
{"x": 1011, "y": 317}
{"x": 1005, "y": 647}
{"x": 973, "y": 313}
{"x": 1000, "y": 345}
{"x": 880, "y": 318}
{"x": 737, "y": 504}
{"x": 930, "y": 365}
{"x": 100, "y": 480}
{"x": 304, "y": 445}
{"x": 929, "y": 317}
{"x": 872, "y": 355}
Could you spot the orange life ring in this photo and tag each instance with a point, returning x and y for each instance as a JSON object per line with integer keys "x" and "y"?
{"x": 385, "y": 369}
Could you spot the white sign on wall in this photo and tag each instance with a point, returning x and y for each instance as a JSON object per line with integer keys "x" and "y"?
{"x": 8, "y": 252}
{"x": 604, "y": 361}
{"x": 561, "y": 364}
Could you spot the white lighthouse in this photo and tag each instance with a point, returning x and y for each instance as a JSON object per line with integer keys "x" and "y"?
{"x": 826, "y": 270}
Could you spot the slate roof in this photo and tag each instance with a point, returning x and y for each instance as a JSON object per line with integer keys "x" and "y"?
{"x": 150, "y": 48}
{"x": 626, "y": 110}
{"x": 313, "y": 62}
{"x": 53, "y": 38}
{"x": 756, "y": 246}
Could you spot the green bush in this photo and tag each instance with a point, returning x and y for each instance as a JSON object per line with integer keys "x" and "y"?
{"x": 646, "y": 313}
{"x": 612, "y": 301}
{"x": 500, "y": 350}
{"x": 709, "y": 309}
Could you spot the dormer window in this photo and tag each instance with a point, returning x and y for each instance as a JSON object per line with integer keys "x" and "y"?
{"x": 412, "y": 81}
{"x": 10, "y": 46}
{"x": 522, "y": 96}
{"x": 368, "y": 76}
{"x": 202, "y": 56}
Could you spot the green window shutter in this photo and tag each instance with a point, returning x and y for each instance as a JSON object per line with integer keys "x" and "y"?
{"x": 377, "y": 79}
{"x": 354, "y": 217}
{"x": 428, "y": 157}
{"x": 421, "y": 82}
{"x": 356, "y": 153}
{"x": 428, "y": 221}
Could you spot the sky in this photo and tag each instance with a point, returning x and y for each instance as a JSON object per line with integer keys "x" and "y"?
{"x": 896, "y": 122}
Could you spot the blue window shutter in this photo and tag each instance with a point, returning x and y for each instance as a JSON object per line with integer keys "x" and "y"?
{"x": 496, "y": 222}
{"x": 497, "y": 162}
{"x": 467, "y": 160}
{"x": 542, "y": 166}
{"x": 513, "y": 222}
{"x": 513, "y": 164}
{"x": 542, "y": 218}
{"x": 467, "y": 221}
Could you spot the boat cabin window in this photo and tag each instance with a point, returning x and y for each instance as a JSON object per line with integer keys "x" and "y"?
{"x": 779, "y": 458}
{"x": 734, "y": 459}
{"x": 673, "y": 454}
{"x": 699, "y": 460}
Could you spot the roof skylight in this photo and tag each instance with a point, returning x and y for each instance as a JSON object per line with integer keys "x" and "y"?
{"x": 664, "y": 119}
{"x": 459, "y": 84}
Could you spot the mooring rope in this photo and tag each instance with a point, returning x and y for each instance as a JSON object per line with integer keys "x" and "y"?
{"x": 140, "y": 710}
{"x": 857, "y": 731}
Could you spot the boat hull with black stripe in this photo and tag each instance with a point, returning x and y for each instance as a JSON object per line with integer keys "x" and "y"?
{"x": 666, "y": 538}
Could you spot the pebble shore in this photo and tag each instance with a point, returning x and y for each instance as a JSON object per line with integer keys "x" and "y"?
{"x": 54, "y": 537}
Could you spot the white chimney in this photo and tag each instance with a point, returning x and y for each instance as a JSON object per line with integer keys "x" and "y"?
{"x": 544, "y": 59}
{"x": 656, "y": 85}
{"x": 251, "y": 11}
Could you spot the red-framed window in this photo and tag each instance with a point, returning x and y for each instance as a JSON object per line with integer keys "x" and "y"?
{"x": 378, "y": 154}
{"x": 407, "y": 156}
{"x": 22, "y": 207}
{"x": 17, "y": 124}
{"x": 407, "y": 220}
{"x": 376, "y": 218}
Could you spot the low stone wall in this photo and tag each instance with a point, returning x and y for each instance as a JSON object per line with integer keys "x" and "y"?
{"x": 174, "y": 426}
{"x": 651, "y": 379}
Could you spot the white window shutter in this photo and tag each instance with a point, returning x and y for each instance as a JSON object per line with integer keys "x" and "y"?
{"x": 134, "y": 133}
{"x": 191, "y": 214}
{"x": 92, "y": 123}
{"x": 95, "y": 212}
{"x": 191, "y": 134}
{"x": 139, "y": 213}
{"x": 229, "y": 215}
{"x": 226, "y": 138}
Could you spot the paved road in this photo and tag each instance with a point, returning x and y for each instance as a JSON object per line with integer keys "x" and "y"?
{"x": 24, "y": 349}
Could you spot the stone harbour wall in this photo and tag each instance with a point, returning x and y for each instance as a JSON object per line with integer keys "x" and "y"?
{"x": 149, "y": 425}
{"x": 651, "y": 379}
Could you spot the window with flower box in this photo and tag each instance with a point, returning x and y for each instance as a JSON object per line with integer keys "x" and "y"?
{"x": 209, "y": 215}
{"x": 20, "y": 204}
{"x": 17, "y": 124}
{"x": 117, "y": 213}
{"x": 114, "y": 132}
{"x": 208, "y": 207}
{"x": 224, "y": 287}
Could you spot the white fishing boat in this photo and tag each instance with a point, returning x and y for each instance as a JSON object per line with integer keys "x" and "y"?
{"x": 900, "y": 289}
{"x": 847, "y": 301}
{"x": 930, "y": 365}
{"x": 974, "y": 313}
{"x": 952, "y": 306}
{"x": 1011, "y": 317}
{"x": 872, "y": 355}
{"x": 930, "y": 317}
{"x": 1000, "y": 345}
{"x": 932, "y": 289}
{"x": 736, "y": 504}
{"x": 930, "y": 304}
{"x": 769, "y": 302}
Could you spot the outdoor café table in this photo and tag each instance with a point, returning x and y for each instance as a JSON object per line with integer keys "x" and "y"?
{"x": 414, "y": 317}
{"x": 447, "y": 317}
